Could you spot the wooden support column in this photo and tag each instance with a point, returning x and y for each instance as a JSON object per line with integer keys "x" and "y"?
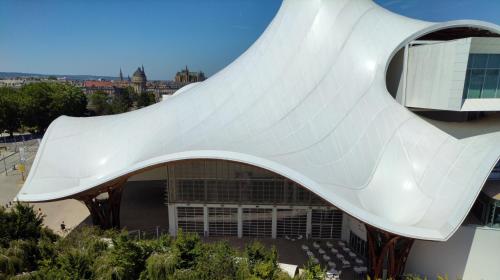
{"x": 104, "y": 205}
{"x": 387, "y": 251}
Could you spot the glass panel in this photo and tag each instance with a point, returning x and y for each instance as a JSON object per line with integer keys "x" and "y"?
{"x": 190, "y": 219}
{"x": 494, "y": 61}
{"x": 222, "y": 221}
{"x": 208, "y": 182}
{"x": 480, "y": 61}
{"x": 490, "y": 84}
{"x": 257, "y": 222}
{"x": 471, "y": 60}
{"x": 291, "y": 223}
{"x": 467, "y": 82}
{"x": 326, "y": 224}
{"x": 482, "y": 76}
{"x": 190, "y": 190}
{"x": 496, "y": 217}
{"x": 358, "y": 245}
{"x": 475, "y": 84}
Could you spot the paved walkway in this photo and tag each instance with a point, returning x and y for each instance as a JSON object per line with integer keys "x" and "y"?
{"x": 70, "y": 211}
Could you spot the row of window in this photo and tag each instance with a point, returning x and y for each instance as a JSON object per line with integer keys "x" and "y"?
{"x": 250, "y": 191}
{"x": 482, "y": 79}
{"x": 326, "y": 224}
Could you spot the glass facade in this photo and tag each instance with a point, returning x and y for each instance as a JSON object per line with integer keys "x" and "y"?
{"x": 190, "y": 219}
{"x": 212, "y": 181}
{"x": 326, "y": 224}
{"x": 257, "y": 222}
{"x": 358, "y": 245}
{"x": 226, "y": 198}
{"x": 291, "y": 223}
{"x": 483, "y": 76}
{"x": 222, "y": 221}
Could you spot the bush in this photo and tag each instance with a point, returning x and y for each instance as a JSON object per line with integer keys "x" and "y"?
{"x": 313, "y": 271}
{"x": 218, "y": 261}
{"x": 90, "y": 253}
{"x": 21, "y": 222}
{"x": 263, "y": 263}
{"x": 187, "y": 247}
{"x": 124, "y": 260}
{"x": 160, "y": 266}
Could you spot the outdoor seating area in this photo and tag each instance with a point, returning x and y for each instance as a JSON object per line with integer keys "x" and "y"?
{"x": 337, "y": 258}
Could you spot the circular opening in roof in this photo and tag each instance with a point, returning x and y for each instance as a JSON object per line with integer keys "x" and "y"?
{"x": 395, "y": 82}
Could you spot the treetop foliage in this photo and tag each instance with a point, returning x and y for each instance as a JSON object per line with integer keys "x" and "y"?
{"x": 36, "y": 105}
{"x": 30, "y": 251}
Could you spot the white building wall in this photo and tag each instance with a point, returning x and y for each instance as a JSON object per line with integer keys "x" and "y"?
{"x": 436, "y": 75}
{"x": 471, "y": 253}
{"x": 485, "y": 45}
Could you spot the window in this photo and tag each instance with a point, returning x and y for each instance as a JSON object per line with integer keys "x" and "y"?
{"x": 190, "y": 190}
{"x": 257, "y": 222}
{"x": 357, "y": 244}
{"x": 483, "y": 76}
{"x": 222, "y": 221}
{"x": 291, "y": 222}
{"x": 190, "y": 219}
{"x": 223, "y": 191}
{"x": 326, "y": 224}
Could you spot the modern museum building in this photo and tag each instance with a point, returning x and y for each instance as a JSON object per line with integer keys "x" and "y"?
{"x": 342, "y": 121}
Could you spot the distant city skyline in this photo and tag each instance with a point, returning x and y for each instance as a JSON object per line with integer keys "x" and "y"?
{"x": 100, "y": 37}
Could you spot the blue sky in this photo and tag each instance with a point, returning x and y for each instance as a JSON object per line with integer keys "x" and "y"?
{"x": 99, "y": 37}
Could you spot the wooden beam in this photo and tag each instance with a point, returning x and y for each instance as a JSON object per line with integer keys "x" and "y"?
{"x": 387, "y": 251}
{"x": 105, "y": 212}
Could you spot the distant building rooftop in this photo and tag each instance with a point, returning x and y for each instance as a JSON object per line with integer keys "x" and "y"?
{"x": 97, "y": 84}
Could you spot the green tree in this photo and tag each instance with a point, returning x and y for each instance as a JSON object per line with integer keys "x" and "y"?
{"x": 41, "y": 103}
{"x": 121, "y": 102}
{"x": 21, "y": 222}
{"x": 145, "y": 99}
{"x": 263, "y": 263}
{"x": 10, "y": 110}
{"x": 100, "y": 103}
{"x": 35, "y": 105}
{"x": 67, "y": 100}
{"x": 218, "y": 261}
{"x": 188, "y": 248}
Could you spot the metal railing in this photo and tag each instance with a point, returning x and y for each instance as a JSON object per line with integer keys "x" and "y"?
{"x": 16, "y": 153}
{"x": 153, "y": 232}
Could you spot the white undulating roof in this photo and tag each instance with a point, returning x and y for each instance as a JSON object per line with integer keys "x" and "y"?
{"x": 308, "y": 101}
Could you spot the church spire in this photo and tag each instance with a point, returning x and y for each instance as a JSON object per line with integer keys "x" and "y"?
{"x": 143, "y": 68}
{"x": 121, "y": 74}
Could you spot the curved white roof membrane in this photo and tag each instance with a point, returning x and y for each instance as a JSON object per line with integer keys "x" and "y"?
{"x": 308, "y": 101}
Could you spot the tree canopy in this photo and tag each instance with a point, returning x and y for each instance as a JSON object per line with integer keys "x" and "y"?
{"x": 36, "y": 105}
{"x": 28, "y": 250}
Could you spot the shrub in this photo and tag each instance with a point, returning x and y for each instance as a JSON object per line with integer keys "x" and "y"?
{"x": 313, "y": 271}
{"x": 160, "y": 266}
{"x": 187, "y": 247}
{"x": 263, "y": 263}
{"x": 21, "y": 222}
{"x": 124, "y": 260}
